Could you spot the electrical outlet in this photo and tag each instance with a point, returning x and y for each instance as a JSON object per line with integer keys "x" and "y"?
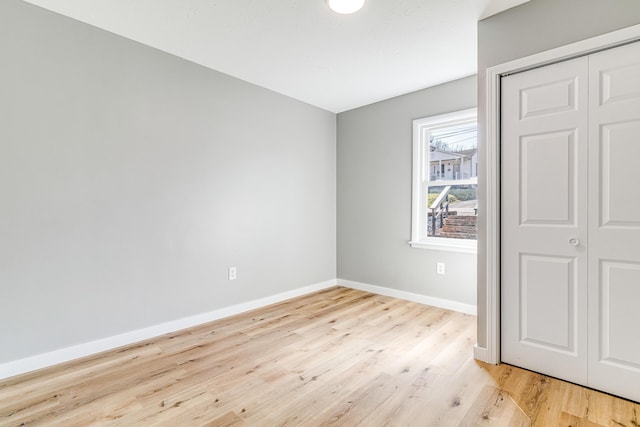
{"x": 233, "y": 273}
{"x": 440, "y": 268}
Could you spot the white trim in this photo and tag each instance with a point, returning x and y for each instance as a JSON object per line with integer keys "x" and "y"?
{"x": 420, "y": 154}
{"x": 492, "y": 182}
{"x": 442, "y": 183}
{"x": 55, "y": 357}
{"x": 480, "y": 353}
{"x": 448, "y": 245}
{"x": 410, "y": 296}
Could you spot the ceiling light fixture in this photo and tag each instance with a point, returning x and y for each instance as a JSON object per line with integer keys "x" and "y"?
{"x": 345, "y": 6}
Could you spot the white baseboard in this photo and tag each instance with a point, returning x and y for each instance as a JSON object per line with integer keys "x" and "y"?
{"x": 409, "y": 296}
{"x": 55, "y": 357}
{"x": 480, "y": 353}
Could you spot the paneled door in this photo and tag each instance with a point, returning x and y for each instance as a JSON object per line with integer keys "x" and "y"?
{"x": 614, "y": 221}
{"x": 570, "y": 227}
{"x": 544, "y": 220}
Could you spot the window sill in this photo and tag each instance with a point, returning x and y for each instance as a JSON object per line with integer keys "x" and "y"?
{"x": 448, "y": 245}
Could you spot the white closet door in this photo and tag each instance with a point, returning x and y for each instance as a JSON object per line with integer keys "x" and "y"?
{"x": 544, "y": 220}
{"x": 614, "y": 217}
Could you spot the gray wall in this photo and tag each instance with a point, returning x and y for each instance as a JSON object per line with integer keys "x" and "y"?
{"x": 130, "y": 180}
{"x": 522, "y": 31}
{"x": 374, "y": 197}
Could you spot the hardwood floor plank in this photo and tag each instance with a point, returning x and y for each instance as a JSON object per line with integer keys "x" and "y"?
{"x": 495, "y": 407}
{"x": 573, "y": 421}
{"x": 229, "y": 419}
{"x": 336, "y": 357}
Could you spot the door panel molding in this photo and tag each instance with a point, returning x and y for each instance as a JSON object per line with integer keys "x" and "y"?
{"x": 619, "y": 174}
{"x": 563, "y": 338}
{"x": 548, "y": 99}
{"x": 557, "y": 149}
{"x": 618, "y": 297}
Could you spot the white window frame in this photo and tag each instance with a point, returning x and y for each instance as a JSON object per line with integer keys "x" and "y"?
{"x": 422, "y": 129}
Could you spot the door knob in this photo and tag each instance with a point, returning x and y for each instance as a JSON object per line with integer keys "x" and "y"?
{"x": 574, "y": 242}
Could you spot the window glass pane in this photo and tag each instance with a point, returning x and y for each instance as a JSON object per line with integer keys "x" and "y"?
{"x": 453, "y": 153}
{"x": 456, "y": 216}
{"x": 453, "y": 156}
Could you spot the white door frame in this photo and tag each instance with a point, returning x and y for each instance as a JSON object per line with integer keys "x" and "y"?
{"x": 491, "y": 354}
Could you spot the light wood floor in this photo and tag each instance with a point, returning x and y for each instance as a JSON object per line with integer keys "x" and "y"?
{"x": 338, "y": 357}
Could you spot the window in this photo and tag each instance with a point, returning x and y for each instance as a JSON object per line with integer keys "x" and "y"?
{"x": 445, "y": 182}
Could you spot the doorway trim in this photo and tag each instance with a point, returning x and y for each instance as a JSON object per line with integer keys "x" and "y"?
{"x": 491, "y": 245}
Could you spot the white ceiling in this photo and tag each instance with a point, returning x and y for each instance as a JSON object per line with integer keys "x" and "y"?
{"x": 302, "y": 49}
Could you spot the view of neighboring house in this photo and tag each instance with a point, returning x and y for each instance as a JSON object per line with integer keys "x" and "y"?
{"x": 451, "y": 165}
{"x": 453, "y": 153}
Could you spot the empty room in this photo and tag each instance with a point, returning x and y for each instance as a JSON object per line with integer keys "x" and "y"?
{"x": 319, "y": 212}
